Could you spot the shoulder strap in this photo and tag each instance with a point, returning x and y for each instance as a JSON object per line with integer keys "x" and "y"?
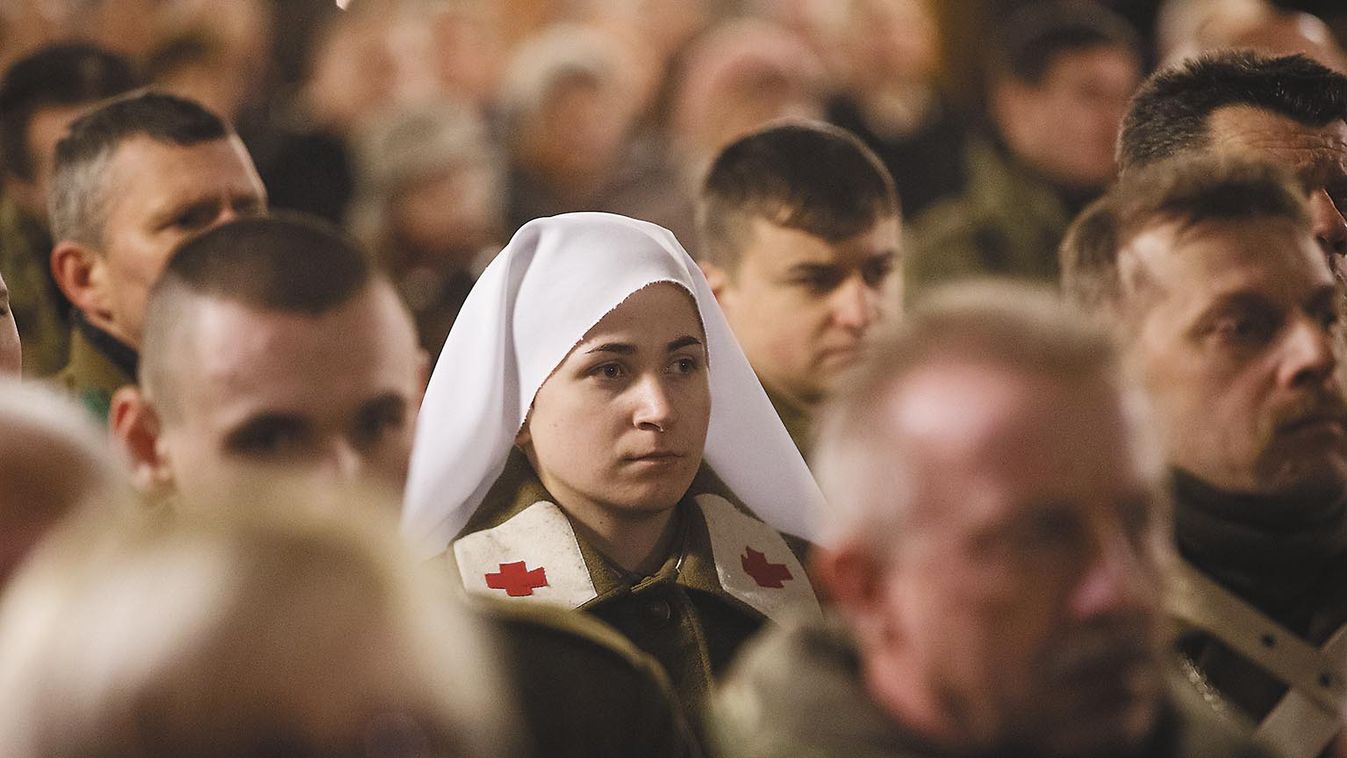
{"x": 1306, "y": 720}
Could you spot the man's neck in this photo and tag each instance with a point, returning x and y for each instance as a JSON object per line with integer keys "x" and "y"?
{"x": 1270, "y": 550}
{"x": 109, "y": 344}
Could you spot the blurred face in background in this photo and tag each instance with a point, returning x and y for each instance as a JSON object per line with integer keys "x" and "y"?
{"x": 1066, "y": 125}
{"x": 1020, "y": 607}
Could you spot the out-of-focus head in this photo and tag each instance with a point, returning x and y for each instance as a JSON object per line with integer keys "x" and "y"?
{"x": 1059, "y": 83}
{"x": 363, "y": 59}
{"x": 1188, "y": 28}
{"x": 568, "y": 102}
{"x": 52, "y": 461}
{"x": 215, "y": 54}
{"x": 799, "y": 231}
{"x": 325, "y": 384}
{"x": 1231, "y": 318}
{"x": 430, "y": 186}
{"x": 738, "y": 77}
{"x": 468, "y": 49}
{"x": 39, "y": 96}
{"x": 134, "y": 179}
{"x": 1289, "y": 110}
{"x": 257, "y": 630}
{"x": 878, "y": 44}
{"x": 996, "y": 527}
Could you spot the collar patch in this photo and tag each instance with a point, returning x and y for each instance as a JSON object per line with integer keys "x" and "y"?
{"x": 532, "y": 557}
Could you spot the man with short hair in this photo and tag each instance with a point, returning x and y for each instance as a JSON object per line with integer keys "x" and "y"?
{"x": 1228, "y": 313}
{"x": 39, "y": 96}
{"x": 133, "y": 179}
{"x": 993, "y": 549}
{"x": 1289, "y": 110}
{"x": 271, "y": 343}
{"x": 1058, "y": 86}
{"x": 799, "y": 234}
{"x": 273, "y": 348}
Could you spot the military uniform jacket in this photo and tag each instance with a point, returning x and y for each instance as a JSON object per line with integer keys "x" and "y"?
{"x": 1260, "y": 616}
{"x": 40, "y": 310}
{"x": 1007, "y": 223}
{"x": 585, "y": 691}
{"x": 797, "y": 692}
{"x": 726, "y": 575}
{"x": 99, "y": 365}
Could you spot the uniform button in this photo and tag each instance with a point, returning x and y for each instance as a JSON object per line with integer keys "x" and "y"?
{"x": 656, "y": 613}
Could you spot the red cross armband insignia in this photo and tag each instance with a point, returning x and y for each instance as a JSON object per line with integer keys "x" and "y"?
{"x": 764, "y": 572}
{"x": 516, "y": 579}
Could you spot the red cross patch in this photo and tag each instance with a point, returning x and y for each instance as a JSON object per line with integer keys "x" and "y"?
{"x": 764, "y": 572}
{"x": 516, "y": 580}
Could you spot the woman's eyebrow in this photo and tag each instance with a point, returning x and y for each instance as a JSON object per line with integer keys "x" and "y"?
{"x": 621, "y": 348}
{"x": 682, "y": 342}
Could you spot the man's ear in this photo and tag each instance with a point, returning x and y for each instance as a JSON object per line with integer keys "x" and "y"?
{"x": 850, "y": 575}
{"x": 855, "y": 582}
{"x": 717, "y": 278}
{"x": 137, "y": 427}
{"x": 79, "y": 270}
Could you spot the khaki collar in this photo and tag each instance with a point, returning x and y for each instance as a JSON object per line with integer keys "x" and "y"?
{"x": 521, "y": 546}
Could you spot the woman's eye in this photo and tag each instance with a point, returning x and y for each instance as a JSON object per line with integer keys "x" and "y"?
{"x": 685, "y": 365}
{"x": 607, "y": 371}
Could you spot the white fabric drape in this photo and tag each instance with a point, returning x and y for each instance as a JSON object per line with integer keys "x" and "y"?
{"x": 557, "y": 278}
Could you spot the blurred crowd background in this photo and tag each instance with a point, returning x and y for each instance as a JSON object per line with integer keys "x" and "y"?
{"x": 432, "y": 129}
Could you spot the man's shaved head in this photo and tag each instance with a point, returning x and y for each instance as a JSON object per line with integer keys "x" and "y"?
{"x": 284, "y": 264}
{"x": 271, "y": 346}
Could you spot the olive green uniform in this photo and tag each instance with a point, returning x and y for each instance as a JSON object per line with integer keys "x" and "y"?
{"x": 583, "y": 689}
{"x": 1260, "y": 607}
{"x": 797, "y": 692}
{"x": 99, "y": 365}
{"x": 1007, "y": 223}
{"x": 725, "y": 576}
{"x": 798, "y": 422}
{"x": 40, "y": 310}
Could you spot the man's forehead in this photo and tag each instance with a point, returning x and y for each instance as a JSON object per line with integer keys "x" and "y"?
{"x": 1318, "y": 153}
{"x": 295, "y": 359}
{"x": 1016, "y": 436}
{"x": 1180, "y": 261}
{"x": 172, "y": 165}
{"x": 775, "y": 246}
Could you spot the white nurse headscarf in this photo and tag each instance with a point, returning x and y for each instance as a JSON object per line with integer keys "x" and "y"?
{"x": 555, "y": 280}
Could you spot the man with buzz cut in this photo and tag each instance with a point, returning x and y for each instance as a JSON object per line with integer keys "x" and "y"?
{"x": 993, "y": 548}
{"x": 133, "y": 179}
{"x": 1209, "y": 271}
{"x": 273, "y": 348}
{"x": 798, "y": 229}
{"x": 1289, "y": 110}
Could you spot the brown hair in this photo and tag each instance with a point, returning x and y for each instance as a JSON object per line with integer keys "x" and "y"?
{"x": 1187, "y": 190}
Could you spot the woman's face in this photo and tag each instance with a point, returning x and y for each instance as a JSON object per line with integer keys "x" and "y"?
{"x": 621, "y": 423}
